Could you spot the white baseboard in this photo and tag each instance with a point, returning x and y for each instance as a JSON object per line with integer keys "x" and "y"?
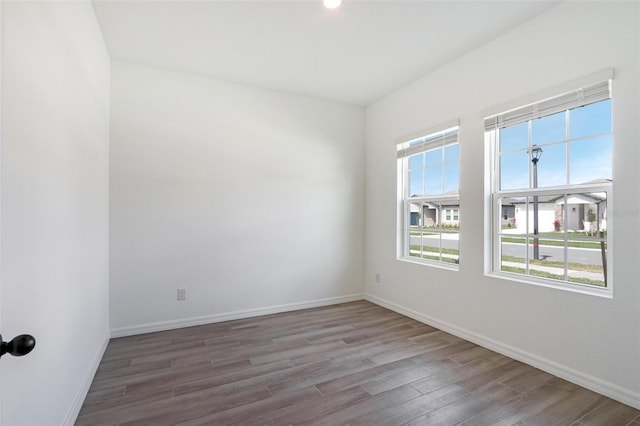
{"x": 229, "y": 316}
{"x": 595, "y": 384}
{"x": 74, "y": 410}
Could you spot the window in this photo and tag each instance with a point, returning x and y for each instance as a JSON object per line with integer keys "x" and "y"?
{"x": 428, "y": 186}
{"x": 551, "y": 186}
{"x": 451, "y": 215}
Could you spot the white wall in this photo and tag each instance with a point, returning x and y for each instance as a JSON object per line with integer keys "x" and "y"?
{"x": 249, "y": 199}
{"x": 55, "y": 136}
{"x": 594, "y": 341}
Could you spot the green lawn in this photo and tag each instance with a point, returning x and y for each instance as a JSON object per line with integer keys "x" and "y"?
{"x": 435, "y": 249}
{"x": 427, "y": 249}
{"x": 556, "y": 243}
{"x": 555, "y": 264}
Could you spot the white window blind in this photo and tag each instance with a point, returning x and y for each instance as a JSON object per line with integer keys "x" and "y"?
{"x": 416, "y": 146}
{"x": 574, "y": 99}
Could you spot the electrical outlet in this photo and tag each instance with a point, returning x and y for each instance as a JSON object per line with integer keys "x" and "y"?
{"x": 377, "y": 278}
{"x": 182, "y": 294}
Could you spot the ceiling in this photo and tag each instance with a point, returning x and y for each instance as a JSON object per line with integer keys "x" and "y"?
{"x": 355, "y": 54}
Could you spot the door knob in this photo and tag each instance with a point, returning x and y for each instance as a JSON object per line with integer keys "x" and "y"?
{"x": 18, "y": 346}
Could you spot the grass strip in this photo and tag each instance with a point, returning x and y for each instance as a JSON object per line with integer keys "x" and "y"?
{"x": 555, "y": 264}
{"x": 435, "y": 249}
{"x": 555, "y": 243}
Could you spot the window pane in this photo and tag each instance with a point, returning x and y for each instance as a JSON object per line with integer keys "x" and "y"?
{"x": 552, "y": 166}
{"x": 586, "y": 255}
{"x": 451, "y": 177}
{"x": 433, "y": 157}
{"x": 587, "y": 248}
{"x": 551, "y": 128}
{"x": 590, "y": 159}
{"x": 415, "y": 218}
{"x": 581, "y": 261}
{"x": 431, "y": 245}
{"x": 514, "y": 253}
{"x": 451, "y": 243}
{"x": 416, "y": 182}
{"x": 415, "y": 161}
{"x": 451, "y": 153}
{"x": 413, "y": 232}
{"x": 433, "y": 180}
{"x": 550, "y": 257}
{"x": 431, "y": 214}
{"x": 514, "y": 170}
{"x": 508, "y": 214}
{"x": 590, "y": 119}
{"x": 514, "y": 137}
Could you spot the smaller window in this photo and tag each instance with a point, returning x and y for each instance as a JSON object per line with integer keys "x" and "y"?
{"x": 428, "y": 185}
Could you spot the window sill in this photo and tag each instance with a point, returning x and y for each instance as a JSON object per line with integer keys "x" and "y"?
{"x": 432, "y": 263}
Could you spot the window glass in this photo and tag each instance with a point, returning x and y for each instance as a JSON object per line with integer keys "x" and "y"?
{"x": 552, "y": 166}
{"x": 591, "y": 159}
{"x": 433, "y": 157}
{"x": 514, "y": 170}
{"x": 415, "y": 161}
{"x": 433, "y": 180}
{"x": 551, "y": 128}
{"x": 416, "y": 179}
{"x": 590, "y": 119}
{"x": 514, "y": 137}
{"x": 451, "y": 177}
{"x": 451, "y": 153}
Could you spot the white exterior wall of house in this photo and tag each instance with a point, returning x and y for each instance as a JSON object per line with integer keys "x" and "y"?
{"x": 546, "y": 217}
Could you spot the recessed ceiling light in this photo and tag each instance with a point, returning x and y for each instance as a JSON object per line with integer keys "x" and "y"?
{"x": 331, "y": 4}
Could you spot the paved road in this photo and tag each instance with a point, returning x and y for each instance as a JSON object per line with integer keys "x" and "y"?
{"x": 577, "y": 255}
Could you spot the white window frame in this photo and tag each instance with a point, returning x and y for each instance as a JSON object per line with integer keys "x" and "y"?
{"x": 591, "y": 91}
{"x": 438, "y": 137}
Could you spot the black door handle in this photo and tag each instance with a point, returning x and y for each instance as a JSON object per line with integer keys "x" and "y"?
{"x": 18, "y": 346}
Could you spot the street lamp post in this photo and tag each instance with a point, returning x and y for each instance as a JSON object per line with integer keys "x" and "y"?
{"x": 536, "y": 153}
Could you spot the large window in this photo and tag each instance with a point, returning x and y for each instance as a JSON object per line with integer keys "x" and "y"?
{"x": 551, "y": 189}
{"x": 428, "y": 186}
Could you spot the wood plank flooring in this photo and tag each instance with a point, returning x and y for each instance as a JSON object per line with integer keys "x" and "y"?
{"x": 348, "y": 364}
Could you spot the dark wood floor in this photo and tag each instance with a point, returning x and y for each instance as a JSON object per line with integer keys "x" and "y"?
{"x": 354, "y": 363}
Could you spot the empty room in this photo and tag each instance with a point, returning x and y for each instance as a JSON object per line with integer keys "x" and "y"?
{"x": 320, "y": 212}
